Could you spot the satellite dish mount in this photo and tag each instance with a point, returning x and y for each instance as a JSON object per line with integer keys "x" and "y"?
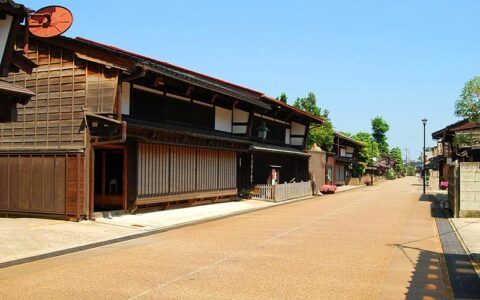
{"x": 48, "y": 22}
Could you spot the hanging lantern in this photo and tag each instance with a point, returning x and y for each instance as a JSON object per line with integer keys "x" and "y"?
{"x": 262, "y": 131}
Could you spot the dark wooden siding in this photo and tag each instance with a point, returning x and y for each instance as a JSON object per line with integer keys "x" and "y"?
{"x": 173, "y": 170}
{"x": 53, "y": 119}
{"x": 42, "y": 183}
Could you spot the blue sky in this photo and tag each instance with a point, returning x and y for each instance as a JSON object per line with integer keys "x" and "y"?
{"x": 403, "y": 60}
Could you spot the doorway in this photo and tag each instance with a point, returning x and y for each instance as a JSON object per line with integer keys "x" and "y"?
{"x": 109, "y": 179}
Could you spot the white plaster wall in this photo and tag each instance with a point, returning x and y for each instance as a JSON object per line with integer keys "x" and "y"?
{"x": 223, "y": 119}
{"x": 296, "y": 141}
{"x": 5, "y": 25}
{"x": 240, "y": 116}
{"x": 298, "y": 129}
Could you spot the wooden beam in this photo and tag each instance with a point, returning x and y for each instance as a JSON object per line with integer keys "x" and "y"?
{"x": 214, "y": 98}
{"x": 189, "y": 90}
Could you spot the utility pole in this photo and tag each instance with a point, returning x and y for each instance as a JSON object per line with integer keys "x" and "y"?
{"x": 372, "y": 167}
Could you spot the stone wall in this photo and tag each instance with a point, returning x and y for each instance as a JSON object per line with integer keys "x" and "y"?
{"x": 469, "y": 189}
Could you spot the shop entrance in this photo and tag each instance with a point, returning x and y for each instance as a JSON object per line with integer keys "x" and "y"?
{"x": 109, "y": 179}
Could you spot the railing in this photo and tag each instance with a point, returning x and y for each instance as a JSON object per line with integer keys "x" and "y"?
{"x": 283, "y": 191}
{"x": 264, "y": 192}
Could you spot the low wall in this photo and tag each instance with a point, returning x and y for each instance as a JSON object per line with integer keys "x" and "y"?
{"x": 469, "y": 190}
{"x": 367, "y": 178}
{"x": 355, "y": 181}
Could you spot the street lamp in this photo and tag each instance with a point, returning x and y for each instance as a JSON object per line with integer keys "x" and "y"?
{"x": 424, "y": 121}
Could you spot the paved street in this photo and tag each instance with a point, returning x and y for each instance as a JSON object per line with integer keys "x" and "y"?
{"x": 371, "y": 243}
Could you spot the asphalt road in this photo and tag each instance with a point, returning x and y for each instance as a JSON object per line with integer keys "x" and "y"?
{"x": 371, "y": 243}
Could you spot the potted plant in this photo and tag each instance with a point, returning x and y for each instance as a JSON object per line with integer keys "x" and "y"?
{"x": 246, "y": 194}
{"x": 444, "y": 185}
{"x": 328, "y": 189}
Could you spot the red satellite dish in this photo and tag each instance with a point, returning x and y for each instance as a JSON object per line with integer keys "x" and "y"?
{"x": 50, "y": 21}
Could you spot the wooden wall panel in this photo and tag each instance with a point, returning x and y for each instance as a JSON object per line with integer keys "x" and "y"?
{"x": 101, "y": 89}
{"x": 175, "y": 170}
{"x": 75, "y": 185}
{"x": 207, "y": 169}
{"x": 36, "y": 183}
{"x": 25, "y": 194}
{"x": 4, "y": 182}
{"x": 59, "y": 180}
{"x": 63, "y": 85}
{"x": 227, "y": 170}
{"x": 13, "y": 183}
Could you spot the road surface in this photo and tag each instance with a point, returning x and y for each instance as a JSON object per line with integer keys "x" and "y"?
{"x": 370, "y": 243}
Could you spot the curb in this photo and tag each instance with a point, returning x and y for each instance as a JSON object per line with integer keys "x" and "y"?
{"x": 474, "y": 260}
{"x": 61, "y": 252}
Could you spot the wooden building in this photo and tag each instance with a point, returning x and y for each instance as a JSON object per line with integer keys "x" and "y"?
{"x": 459, "y": 141}
{"x": 342, "y": 159}
{"x": 110, "y": 129}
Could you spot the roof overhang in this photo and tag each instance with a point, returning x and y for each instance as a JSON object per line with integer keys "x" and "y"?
{"x": 17, "y": 93}
{"x": 277, "y": 150}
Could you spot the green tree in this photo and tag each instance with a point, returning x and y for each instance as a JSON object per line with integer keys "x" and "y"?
{"x": 379, "y": 130}
{"x": 468, "y": 105}
{"x": 320, "y": 135}
{"x": 283, "y": 97}
{"x": 396, "y": 155}
{"x": 367, "y": 153}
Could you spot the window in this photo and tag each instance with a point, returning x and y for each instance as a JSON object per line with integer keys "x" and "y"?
{"x": 8, "y": 111}
{"x": 158, "y": 108}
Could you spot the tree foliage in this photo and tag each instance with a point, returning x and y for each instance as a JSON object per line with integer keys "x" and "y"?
{"x": 379, "y": 133}
{"x": 468, "y": 105}
{"x": 283, "y": 97}
{"x": 396, "y": 155}
{"x": 367, "y": 153}
{"x": 320, "y": 135}
{"x": 411, "y": 171}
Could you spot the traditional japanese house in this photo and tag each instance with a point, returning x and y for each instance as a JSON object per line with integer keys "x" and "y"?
{"x": 110, "y": 129}
{"x": 342, "y": 159}
{"x": 458, "y": 141}
{"x": 11, "y": 16}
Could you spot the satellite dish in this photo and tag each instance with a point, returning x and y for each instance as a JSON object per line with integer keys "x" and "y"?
{"x": 50, "y": 21}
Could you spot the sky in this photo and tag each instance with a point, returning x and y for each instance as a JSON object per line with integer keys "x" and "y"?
{"x": 402, "y": 60}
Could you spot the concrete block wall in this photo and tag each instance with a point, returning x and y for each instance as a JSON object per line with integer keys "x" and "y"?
{"x": 434, "y": 179}
{"x": 469, "y": 189}
{"x": 316, "y": 169}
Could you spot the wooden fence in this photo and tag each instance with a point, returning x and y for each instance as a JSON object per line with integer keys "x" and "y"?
{"x": 283, "y": 191}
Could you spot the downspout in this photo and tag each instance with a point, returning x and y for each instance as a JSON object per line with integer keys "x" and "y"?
{"x": 118, "y": 141}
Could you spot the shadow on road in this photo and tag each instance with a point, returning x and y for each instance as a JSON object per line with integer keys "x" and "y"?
{"x": 426, "y": 280}
{"x": 460, "y": 278}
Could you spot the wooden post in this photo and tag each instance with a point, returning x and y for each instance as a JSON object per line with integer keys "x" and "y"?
{"x": 91, "y": 195}
{"x": 66, "y": 184}
{"x": 78, "y": 186}
{"x": 125, "y": 176}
